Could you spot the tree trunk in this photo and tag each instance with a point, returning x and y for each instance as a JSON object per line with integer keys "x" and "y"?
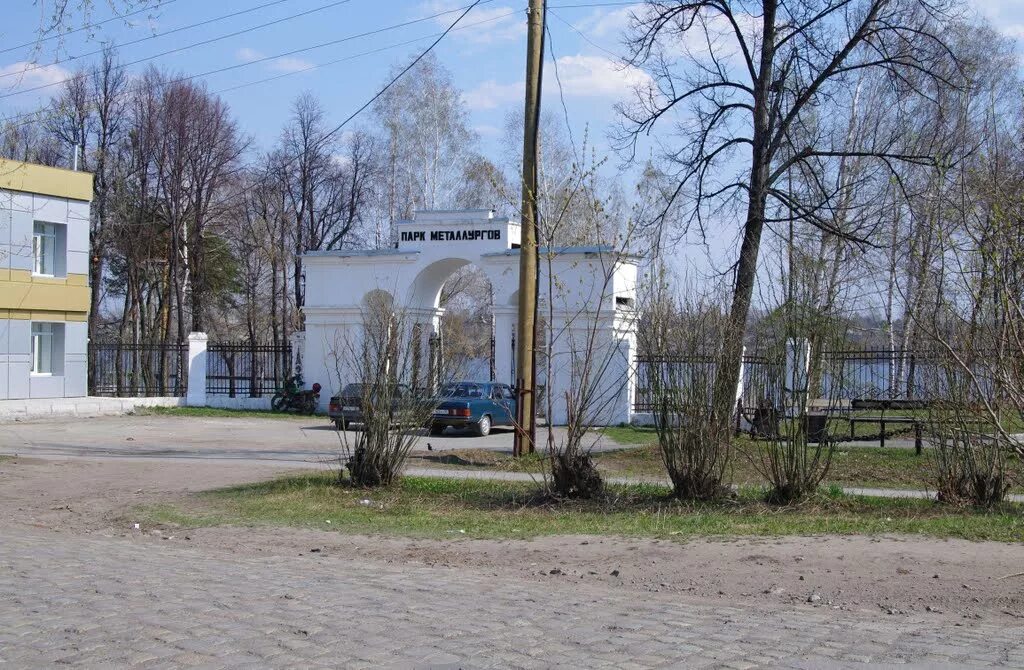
{"x": 727, "y": 376}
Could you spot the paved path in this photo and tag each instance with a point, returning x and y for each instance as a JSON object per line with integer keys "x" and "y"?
{"x": 300, "y": 443}
{"x": 306, "y": 438}
{"x": 103, "y": 602}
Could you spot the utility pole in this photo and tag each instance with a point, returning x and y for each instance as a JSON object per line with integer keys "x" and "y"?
{"x": 526, "y": 339}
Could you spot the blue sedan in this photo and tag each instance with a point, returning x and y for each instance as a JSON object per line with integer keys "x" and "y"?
{"x": 476, "y": 405}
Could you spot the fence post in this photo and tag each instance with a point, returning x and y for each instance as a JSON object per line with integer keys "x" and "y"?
{"x": 298, "y": 349}
{"x": 196, "y": 396}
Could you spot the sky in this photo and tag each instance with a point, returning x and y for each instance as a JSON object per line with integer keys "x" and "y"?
{"x": 265, "y": 53}
{"x": 485, "y": 55}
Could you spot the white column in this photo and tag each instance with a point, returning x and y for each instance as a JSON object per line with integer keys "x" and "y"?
{"x": 623, "y": 412}
{"x": 562, "y": 343}
{"x": 196, "y": 370}
{"x": 741, "y": 384}
{"x": 798, "y": 361}
{"x": 504, "y": 360}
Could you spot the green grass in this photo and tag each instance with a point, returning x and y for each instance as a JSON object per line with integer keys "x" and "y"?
{"x": 216, "y": 412}
{"x": 631, "y": 434}
{"x": 867, "y": 467}
{"x": 443, "y": 508}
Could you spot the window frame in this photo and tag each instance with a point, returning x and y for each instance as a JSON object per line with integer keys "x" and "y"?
{"x": 44, "y": 232}
{"x": 42, "y": 341}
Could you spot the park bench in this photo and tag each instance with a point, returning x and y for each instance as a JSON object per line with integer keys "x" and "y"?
{"x": 882, "y": 419}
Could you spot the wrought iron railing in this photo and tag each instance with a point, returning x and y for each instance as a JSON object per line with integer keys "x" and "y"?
{"x": 243, "y": 369}
{"x": 137, "y": 370}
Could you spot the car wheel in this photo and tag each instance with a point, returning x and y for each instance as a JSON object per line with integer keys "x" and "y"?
{"x": 436, "y": 429}
{"x": 341, "y": 424}
{"x": 483, "y": 427}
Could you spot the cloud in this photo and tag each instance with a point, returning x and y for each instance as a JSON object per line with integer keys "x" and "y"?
{"x": 598, "y": 77}
{"x": 604, "y": 23}
{"x": 19, "y": 75}
{"x": 485, "y": 130}
{"x": 498, "y": 24}
{"x": 283, "y": 64}
{"x": 247, "y": 55}
{"x": 289, "y": 64}
{"x": 491, "y": 95}
{"x": 580, "y": 76}
{"x": 1006, "y": 15}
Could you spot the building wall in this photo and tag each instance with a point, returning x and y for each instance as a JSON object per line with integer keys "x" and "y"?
{"x": 27, "y": 298}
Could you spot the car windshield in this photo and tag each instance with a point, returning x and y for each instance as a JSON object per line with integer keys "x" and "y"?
{"x": 353, "y": 391}
{"x": 461, "y": 391}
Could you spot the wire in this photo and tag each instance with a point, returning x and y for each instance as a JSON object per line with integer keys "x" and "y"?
{"x": 394, "y": 80}
{"x": 561, "y": 92}
{"x": 584, "y": 35}
{"x": 87, "y": 26}
{"x": 37, "y": 112}
{"x": 184, "y": 48}
{"x": 360, "y": 55}
{"x": 37, "y": 66}
{"x": 340, "y": 40}
{"x": 348, "y": 38}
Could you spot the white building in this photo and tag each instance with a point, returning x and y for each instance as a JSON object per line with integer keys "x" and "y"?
{"x": 44, "y": 287}
{"x": 593, "y": 292}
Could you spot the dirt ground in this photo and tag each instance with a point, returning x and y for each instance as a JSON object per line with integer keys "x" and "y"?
{"x": 888, "y": 576}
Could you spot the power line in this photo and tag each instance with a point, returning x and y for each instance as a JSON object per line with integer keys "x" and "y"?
{"x": 404, "y": 24}
{"x": 316, "y": 66}
{"x": 293, "y": 52}
{"x": 398, "y": 76}
{"x": 394, "y": 80}
{"x": 38, "y": 66}
{"x": 584, "y": 35}
{"x": 87, "y": 26}
{"x": 341, "y": 40}
{"x": 186, "y": 47}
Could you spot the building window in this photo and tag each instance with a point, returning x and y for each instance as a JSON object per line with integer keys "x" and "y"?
{"x": 47, "y": 348}
{"x": 48, "y": 249}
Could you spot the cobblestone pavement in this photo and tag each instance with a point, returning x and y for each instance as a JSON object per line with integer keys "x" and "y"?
{"x": 139, "y": 602}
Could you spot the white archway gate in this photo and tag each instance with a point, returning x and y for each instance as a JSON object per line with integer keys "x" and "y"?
{"x": 593, "y": 300}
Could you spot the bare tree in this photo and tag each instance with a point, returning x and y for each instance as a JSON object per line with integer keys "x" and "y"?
{"x": 382, "y": 356}
{"x": 427, "y": 144}
{"x": 327, "y": 190}
{"x": 746, "y": 84}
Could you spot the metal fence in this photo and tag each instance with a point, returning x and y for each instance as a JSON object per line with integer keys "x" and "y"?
{"x": 138, "y": 370}
{"x": 243, "y": 369}
{"x": 680, "y": 370}
{"x": 846, "y": 375}
{"x": 875, "y": 374}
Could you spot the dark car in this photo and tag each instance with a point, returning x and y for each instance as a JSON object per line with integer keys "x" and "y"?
{"x": 476, "y": 405}
{"x": 347, "y": 406}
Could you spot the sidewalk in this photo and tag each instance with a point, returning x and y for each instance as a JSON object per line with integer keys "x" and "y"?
{"x": 48, "y": 408}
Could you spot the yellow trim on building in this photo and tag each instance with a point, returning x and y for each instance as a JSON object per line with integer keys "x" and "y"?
{"x": 26, "y": 315}
{"x": 31, "y": 178}
{"x": 24, "y": 293}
